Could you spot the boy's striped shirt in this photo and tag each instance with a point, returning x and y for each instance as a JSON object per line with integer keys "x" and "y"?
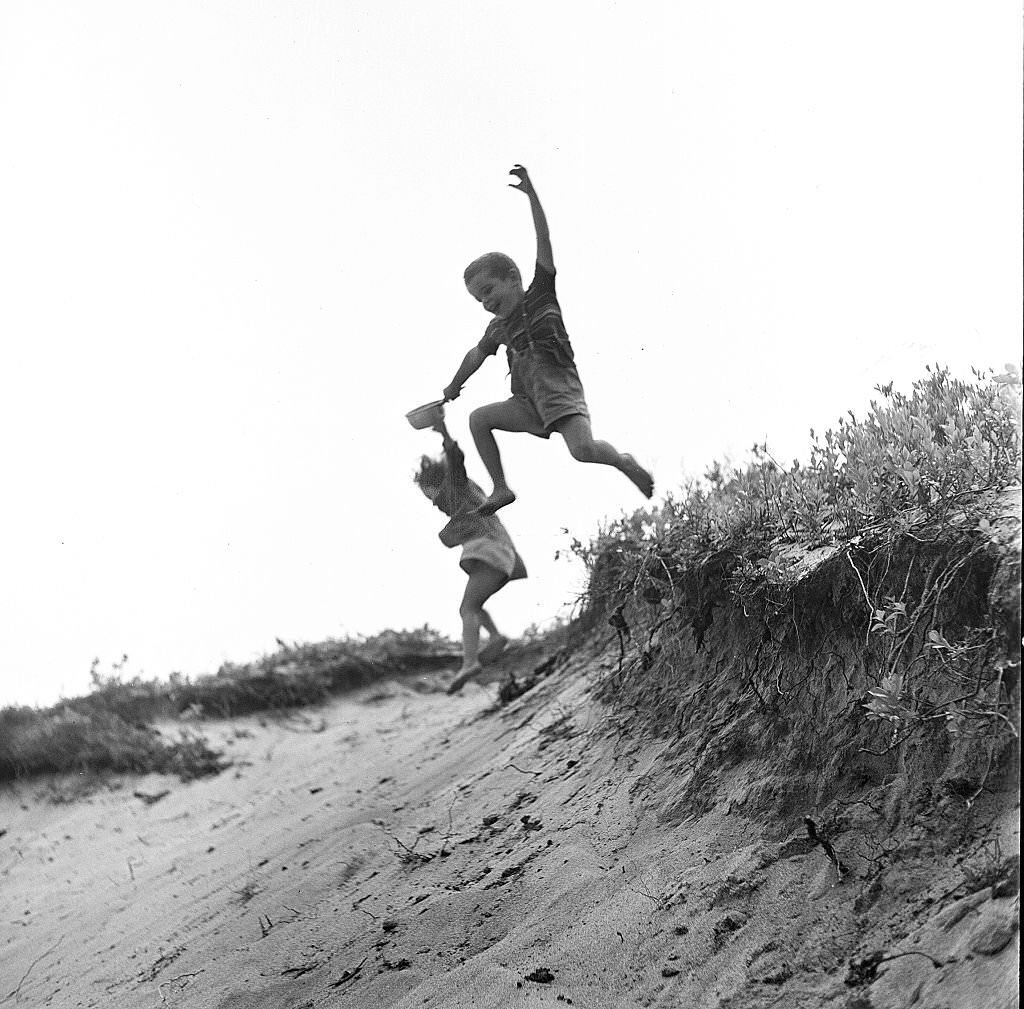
{"x": 538, "y": 325}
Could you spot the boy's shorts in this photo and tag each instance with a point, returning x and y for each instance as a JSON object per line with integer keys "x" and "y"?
{"x": 550, "y": 394}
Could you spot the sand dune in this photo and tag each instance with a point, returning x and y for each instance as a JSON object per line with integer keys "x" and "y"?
{"x": 403, "y": 848}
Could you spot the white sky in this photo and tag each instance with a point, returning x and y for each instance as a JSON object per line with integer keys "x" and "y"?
{"x": 232, "y": 238}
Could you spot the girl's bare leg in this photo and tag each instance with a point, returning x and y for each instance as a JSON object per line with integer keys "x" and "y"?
{"x": 510, "y": 415}
{"x": 586, "y": 448}
{"x": 483, "y": 582}
{"x": 497, "y": 642}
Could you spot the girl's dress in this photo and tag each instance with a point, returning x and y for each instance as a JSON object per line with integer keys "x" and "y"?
{"x": 482, "y": 537}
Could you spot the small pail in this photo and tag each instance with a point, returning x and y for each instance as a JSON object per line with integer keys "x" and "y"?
{"x": 427, "y": 415}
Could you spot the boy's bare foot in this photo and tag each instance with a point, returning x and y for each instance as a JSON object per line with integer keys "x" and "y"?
{"x": 465, "y": 675}
{"x": 640, "y": 477}
{"x": 490, "y": 652}
{"x": 500, "y": 498}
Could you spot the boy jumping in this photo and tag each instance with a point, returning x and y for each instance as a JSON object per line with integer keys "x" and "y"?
{"x": 546, "y": 391}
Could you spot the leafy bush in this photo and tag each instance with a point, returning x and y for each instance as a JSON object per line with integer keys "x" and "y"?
{"x": 946, "y": 440}
{"x": 915, "y": 459}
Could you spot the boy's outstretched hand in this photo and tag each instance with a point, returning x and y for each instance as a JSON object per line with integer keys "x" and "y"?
{"x": 524, "y": 185}
{"x": 540, "y": 223}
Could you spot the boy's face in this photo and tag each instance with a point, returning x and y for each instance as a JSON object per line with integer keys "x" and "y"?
{"x": 500, "y": 297}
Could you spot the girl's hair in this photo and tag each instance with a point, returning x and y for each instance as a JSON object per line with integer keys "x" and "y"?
{"x": 496, "y": 264}
{"x": 431, "y": 472}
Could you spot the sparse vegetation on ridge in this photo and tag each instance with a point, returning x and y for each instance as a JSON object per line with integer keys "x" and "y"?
{"x": 920, "y": 459}
{"x": 110, "y": 728}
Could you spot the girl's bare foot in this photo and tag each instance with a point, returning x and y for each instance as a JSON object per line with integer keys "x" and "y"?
{"x": 500, "y": 497}
{"x": 465, "y": 675}
{"x": 493, "y": 648}
{"x": 640, "y": 477}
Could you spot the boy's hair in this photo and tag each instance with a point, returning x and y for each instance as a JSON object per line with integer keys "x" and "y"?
{"x": 495, "y": 264}
{"x": 431, "y": 473}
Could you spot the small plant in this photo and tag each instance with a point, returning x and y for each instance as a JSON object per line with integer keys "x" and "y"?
{"x": 887, "y": 701}
{"x": 408, "y": 855}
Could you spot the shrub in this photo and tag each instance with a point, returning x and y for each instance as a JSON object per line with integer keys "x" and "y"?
{"x": 109, "y": 729}
{"x": 64, "y": 739}
{"x": 914, "y": 460}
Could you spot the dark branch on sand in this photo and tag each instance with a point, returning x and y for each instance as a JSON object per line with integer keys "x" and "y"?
{"x": 522, "y": 770}
{"x": 812, "y": 833}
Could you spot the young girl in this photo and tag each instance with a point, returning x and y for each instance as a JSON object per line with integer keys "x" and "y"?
{"x": 488, "y": 556}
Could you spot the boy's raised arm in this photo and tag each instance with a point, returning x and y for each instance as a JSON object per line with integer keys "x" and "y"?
{"x": 540, "y": 222}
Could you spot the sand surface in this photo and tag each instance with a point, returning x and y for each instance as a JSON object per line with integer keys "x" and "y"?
{"x": 404, "y": 848}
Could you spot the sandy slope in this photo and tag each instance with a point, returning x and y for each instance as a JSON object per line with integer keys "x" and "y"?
{"x": 403, "y": 848}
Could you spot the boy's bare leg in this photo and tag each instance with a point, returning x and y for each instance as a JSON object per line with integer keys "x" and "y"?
{"x": 483, "y": 422}
{"x": 483, "y": 582}
{"x": 586, "y": 448}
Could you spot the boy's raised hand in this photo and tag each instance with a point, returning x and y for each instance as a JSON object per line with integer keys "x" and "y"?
{"x": 540, "y": 222}
{"x": 524, "y": 185}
